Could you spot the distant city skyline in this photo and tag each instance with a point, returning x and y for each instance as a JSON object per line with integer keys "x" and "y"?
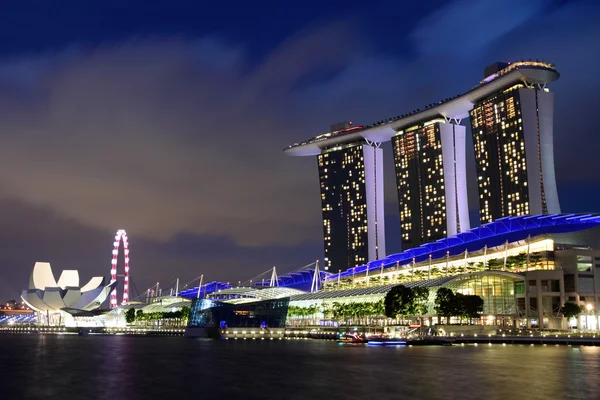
{"x": 173, "y": 130}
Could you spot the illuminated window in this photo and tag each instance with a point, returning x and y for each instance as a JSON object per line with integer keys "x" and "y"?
{"x": 496, "y": 124}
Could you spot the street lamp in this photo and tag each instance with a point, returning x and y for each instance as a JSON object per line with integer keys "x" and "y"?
{"x": 589, "y": 307}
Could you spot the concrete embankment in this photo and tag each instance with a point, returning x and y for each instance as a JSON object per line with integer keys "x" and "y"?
{"x": 90, "y": 331}
{"x": 556, "y": 340}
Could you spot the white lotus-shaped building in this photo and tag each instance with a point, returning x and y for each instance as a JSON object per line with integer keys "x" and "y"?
{"x": 45, "y": 294}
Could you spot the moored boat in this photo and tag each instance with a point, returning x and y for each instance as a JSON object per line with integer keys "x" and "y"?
{"x": 353, "y": 338}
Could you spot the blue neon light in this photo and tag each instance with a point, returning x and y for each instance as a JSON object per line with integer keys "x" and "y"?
{"x": 204, "y": 290}
{"x": 298, "y": 280}
{"x": 511, "y": 229}
{"x": 393, "y": 343}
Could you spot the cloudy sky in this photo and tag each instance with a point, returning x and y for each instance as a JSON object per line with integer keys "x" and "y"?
{"x": 169, "y": 120}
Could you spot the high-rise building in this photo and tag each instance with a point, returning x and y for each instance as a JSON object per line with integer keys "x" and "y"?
{"x": 511, "y": 114}
{"x": 514, "y": 153}
{"x": 351, "y": 182}
{"x": 431, "y": 179}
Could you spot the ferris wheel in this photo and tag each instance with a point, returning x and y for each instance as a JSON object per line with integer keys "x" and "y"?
{"x": 121, "y": 235}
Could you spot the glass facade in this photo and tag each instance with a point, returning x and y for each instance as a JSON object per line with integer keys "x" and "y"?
{"x": 497, "y": 292}
{"x": 420, "y": 180}
{"x": 498, "y": 140}
{"x": 343, "y": 199}
{"x": 259, "y": 314}
{"x": 584, "y": 263}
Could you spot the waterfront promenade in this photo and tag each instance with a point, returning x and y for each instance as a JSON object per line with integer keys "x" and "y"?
{"x": 523, "y": 336}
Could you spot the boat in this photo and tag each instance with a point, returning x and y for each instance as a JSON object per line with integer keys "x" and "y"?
{"x": 353, "y": 338}
{"x": 423, "y": 341}
{"x": 387, "y": 342}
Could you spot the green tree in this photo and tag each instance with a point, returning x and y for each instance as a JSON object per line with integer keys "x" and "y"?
{"x": 423, "y": 274}
{"x": 303, "y": 311}
{"x": 379, "y": 308}
{"x": 169, "y": 315}
{"x": 535, "y": 259}
{"x": 445, "y": 303}
{"x": 293, "y": 311}
{"x": 327, "y": 311}
{"x": 421, "y": 300}
{"x": 399, "y": 301}
{"x": 471, "y": 266}
{"x": 130, "y": 316}
{"x": 468, "y": 306}
{"x": 570, "y": 310}
{"x": 520, "y": 260}
{"x": 186, "y": 312}
{"x": 458, "y": 305}
{"x": 495, "y": 264}
{"x": 511, "y": 263}
{"x": 337, "y": 311}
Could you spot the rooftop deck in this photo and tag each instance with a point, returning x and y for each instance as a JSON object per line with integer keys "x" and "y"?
{"x": 455, "y": 108}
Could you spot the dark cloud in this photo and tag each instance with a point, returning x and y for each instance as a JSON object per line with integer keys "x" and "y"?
{"x": 144, "y": 135}
{"x": 32, "y": 234}
{"x": 465, "y": 26}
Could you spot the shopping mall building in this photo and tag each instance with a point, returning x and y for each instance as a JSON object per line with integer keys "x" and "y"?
{"x": 524, "y": 268}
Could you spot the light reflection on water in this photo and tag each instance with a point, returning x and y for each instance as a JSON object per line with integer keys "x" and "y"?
{"x": 119, "y": 367}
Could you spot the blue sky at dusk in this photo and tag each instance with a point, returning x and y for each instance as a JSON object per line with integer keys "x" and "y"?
{"x": 168, "y": 119}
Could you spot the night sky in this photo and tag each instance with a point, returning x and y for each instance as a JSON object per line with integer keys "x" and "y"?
{"x": 168, "y": 119}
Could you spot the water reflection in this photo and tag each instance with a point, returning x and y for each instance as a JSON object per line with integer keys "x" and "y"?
{"x": 118, "y": 367}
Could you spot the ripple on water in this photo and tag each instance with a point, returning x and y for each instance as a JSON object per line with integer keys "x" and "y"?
{"x": 118, "y": 367}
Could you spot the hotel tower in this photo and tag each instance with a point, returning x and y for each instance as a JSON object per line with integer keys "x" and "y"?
{"x": 511, "y": 115}
{"x": 351, "y": 183}
{"x": 513, "y": 142}
{"x": 432, "y": 181}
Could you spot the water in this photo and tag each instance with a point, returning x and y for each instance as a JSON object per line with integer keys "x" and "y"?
{"x": 117, "y": 367}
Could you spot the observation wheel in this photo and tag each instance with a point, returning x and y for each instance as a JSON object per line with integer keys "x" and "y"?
{"x": 121, "y": 235}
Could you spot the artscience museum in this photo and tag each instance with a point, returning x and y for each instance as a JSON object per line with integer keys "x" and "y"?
{"x": 56, "y": 302}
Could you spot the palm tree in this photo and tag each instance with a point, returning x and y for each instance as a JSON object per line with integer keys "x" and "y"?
{"x": 327, "y": 310}
{"x": 511, "y": 263}
{"x": 535, "y": 259}
{"x": 495, "y": 264}
{"x": 337, "y": 310}
{"x": 471, "y": 266}
{"x": 353, "y": 311}
{"x": 379, "y": 308}
{"x": 521, "y": 261}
